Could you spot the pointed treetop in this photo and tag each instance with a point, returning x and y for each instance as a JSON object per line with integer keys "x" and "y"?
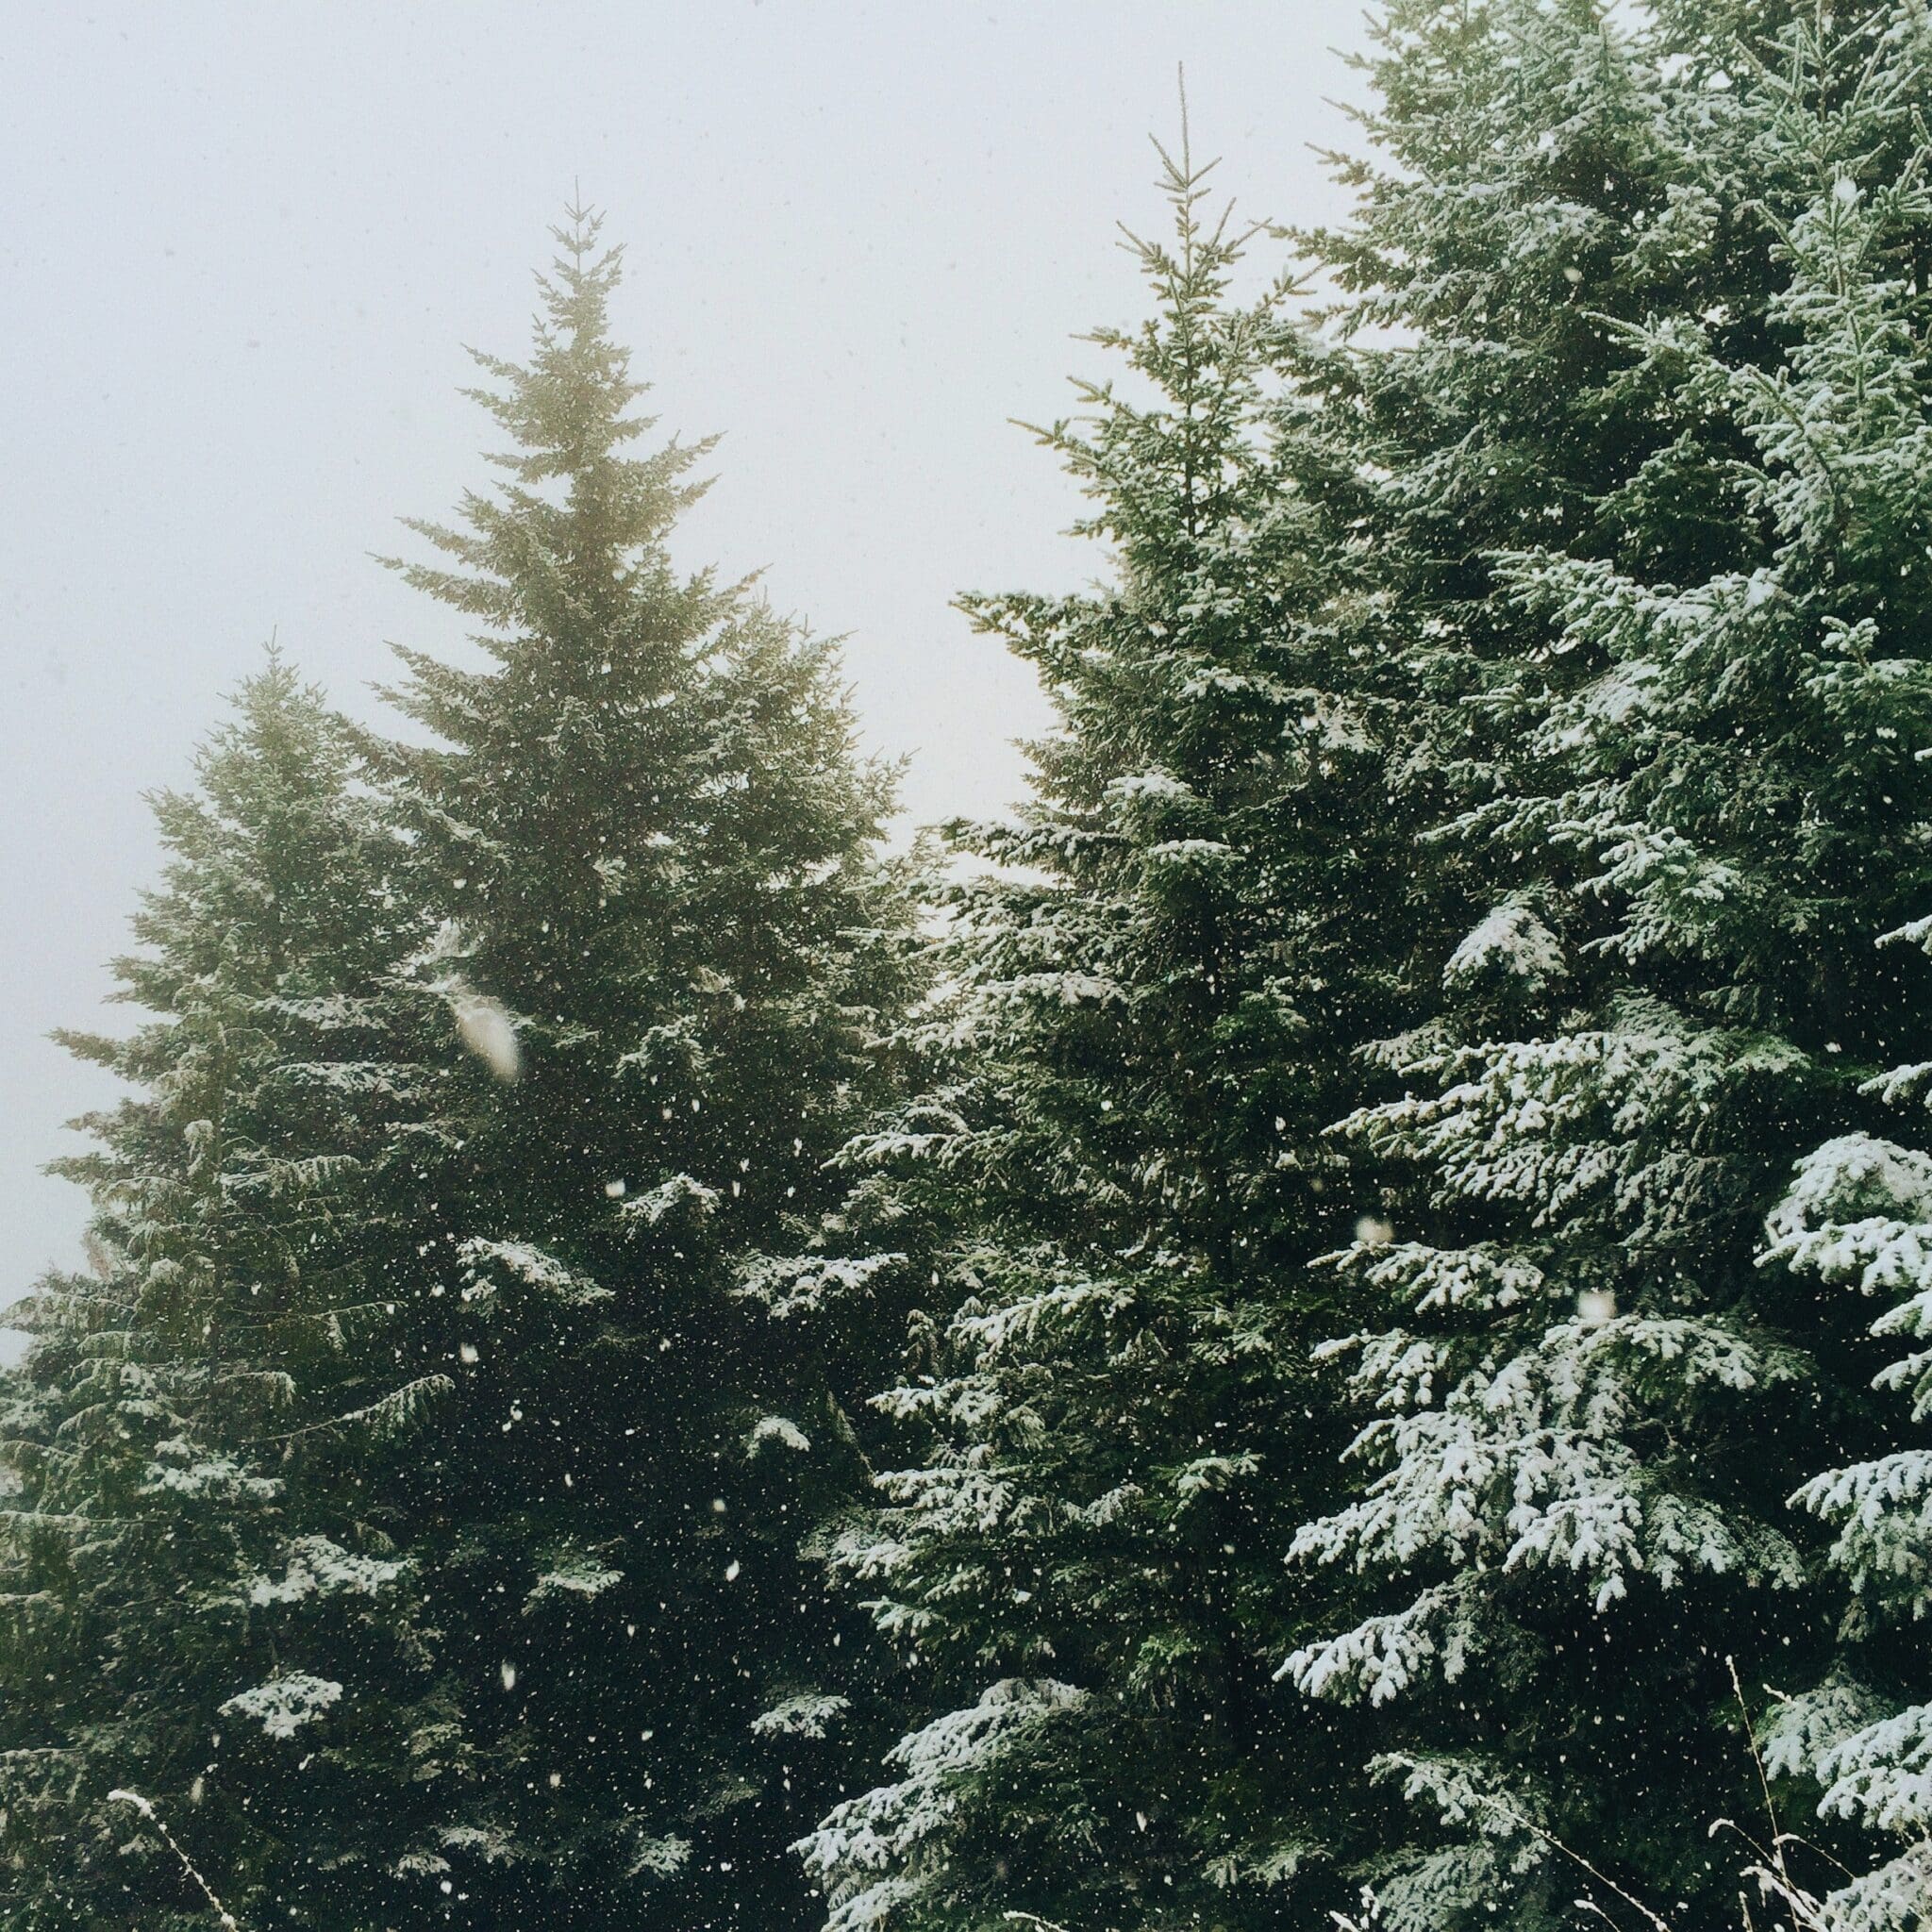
{"x": 1192, "y": 274}
{"x": 578, "y": 519}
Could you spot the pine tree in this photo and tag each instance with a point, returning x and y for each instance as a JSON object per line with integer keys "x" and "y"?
{"x": 1155, "y": 974}
{"x": 190, "y": 1556}
{"x": 1593, "y": 1404}
{"x": 667, "y": 934}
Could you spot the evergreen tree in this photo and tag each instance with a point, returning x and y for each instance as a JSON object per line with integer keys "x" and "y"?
{"x": 1156, "y": 975}
{"x": 1859, "y": 1215}
{"x": 522, "y": 1180}
{"x": 1593, "y": 1404}
{"x": 669, "y": 939}
{"x": 1527, "y": 192}
{"x": 191, "y": 1556}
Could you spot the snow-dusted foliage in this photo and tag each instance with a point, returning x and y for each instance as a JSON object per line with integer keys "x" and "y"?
{"x": 283, "y": 1705}
{"x": 575, "y": 1576}
{"x": 887, "y": 1855}
{"x": 184, "y": 1430}
{"x": 1152, "y": 980}
{"x": 317, "y": 1567}
{"x": 805, "y": 1714}
{"x": 1674, "y": 719}
{"x": 1511, "y": 942}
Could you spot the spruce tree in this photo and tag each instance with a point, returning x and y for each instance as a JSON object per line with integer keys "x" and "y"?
{"x": 1859, "y": 1216}
{"x": 190, "y": 1557}
{"x": 1593, "y": 1404}
{"x": 1155, "y": 973}
{"x": 666, "y": 930}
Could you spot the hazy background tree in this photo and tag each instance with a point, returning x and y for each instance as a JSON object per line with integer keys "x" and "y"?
{"x": 193, "y": 1555}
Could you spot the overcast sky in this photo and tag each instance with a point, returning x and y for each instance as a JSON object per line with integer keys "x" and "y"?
{"x": 244, "y": 246}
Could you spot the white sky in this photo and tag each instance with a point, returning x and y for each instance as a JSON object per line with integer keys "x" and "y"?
{"x": 244, "y": 244}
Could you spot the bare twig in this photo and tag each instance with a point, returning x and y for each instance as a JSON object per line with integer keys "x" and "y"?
{"x": 230, "y": 1922}
{"x": 1603, "y": 1878}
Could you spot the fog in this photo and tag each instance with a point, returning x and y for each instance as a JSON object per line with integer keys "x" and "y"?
{"x": 246, "y": 246}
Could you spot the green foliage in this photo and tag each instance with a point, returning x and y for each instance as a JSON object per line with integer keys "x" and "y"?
{"x": 1155, "y": 974}
{"x": 191, "y": 1534}
{"x": 670, "y": 947}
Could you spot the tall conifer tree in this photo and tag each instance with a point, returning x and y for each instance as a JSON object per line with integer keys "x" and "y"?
{"x": 193, "y": 1557}
{"x": 666, "y": 928}
{"x": 1594, "y": 1405}
{"x": 1159, "y": 971}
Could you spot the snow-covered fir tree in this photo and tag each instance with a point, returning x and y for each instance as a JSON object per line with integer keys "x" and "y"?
{"x": 1155, "y": 975}
{"x": 1524, "y": 193}
{"x": 669, "y": 942}
{"x": 1593, "y": 1406}
{"x": 1859, "y": 1217}
{"x": 191, "y": 1556}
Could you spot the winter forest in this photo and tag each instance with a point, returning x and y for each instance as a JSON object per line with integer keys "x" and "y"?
{"x": 1329, "y": 1322}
